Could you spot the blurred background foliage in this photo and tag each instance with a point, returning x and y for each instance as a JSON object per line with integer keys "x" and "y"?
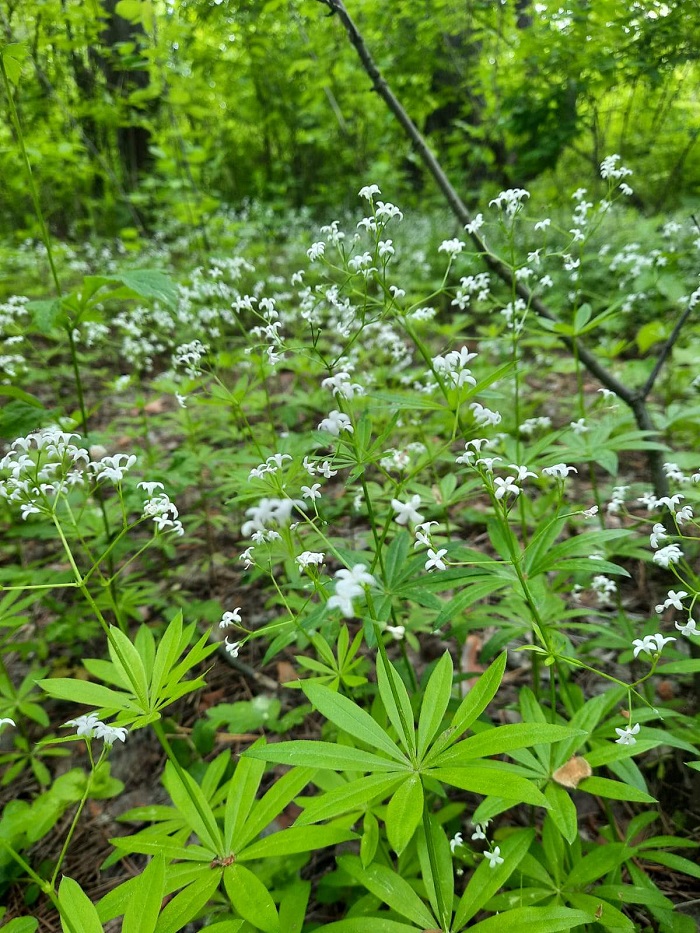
{"x": 140, "y": 108}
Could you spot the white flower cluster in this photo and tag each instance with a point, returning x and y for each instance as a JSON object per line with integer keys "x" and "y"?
{"x": 336, "y": 422}
{"x": 160, "y": 508}
{"x": 189, "y": 356}
{"x": 350, "y": 584}
{"x": 609, "y": 168}
{"x": 269, "y": 512}
{"x": 510, "y": 201}
{"x": 341, "y": 385}
{"x": 271, "y": 465}
{"x": 90, "y": 727}
{"x": 472, "y": 285}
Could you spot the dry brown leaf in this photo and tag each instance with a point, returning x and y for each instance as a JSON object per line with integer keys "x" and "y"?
{"x": 574, "y": 771}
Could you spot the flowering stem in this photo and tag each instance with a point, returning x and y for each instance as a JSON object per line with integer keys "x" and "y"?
{"x": 78, "y": 812}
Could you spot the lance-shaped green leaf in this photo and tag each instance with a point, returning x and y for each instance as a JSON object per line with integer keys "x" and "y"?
{"x": 282, "y": 792}
{"x": 80, "y": 691}
{"x": 187, "y": 903}
{"x": 293, "y": 906}
{"x": 352, "y": 719}
{"x": 404, "y": 813}
{"x": 397, "y": 704}
{"x": 77, "y": 908}
{"x": 435, "y": 699}
{"x": 324, "y": 755}
{"x": 143, "y": 909}
{"x": 369, "y": 925}
{"x": 441, "y": 888}
{"x": 608, "y": 917}
{"x": 251, "y": 898}
{"x": 534, "y": 920}
{"x": 128, "y": 663}
{"x": 496, "y": 782}
{"x": 390, "y": 888}
{"x": 294, "y": 840}
{"x": 486, "y": 881}
{"x": 471, "y": 707}
{"x": 501, "y": 739}
{"x": 242, "y": 789}
{"x": 614, "y": 790}
{"x": 563, "y": 811}
{"x": 355, "y": 795}
{"x": 187, "y": 796}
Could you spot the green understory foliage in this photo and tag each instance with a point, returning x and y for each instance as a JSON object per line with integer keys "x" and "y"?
{"x": 381, "y": 476}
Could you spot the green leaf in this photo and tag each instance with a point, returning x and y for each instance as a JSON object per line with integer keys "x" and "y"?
{"x": 188, "y": 798}
{"x": 47, "y": 314}
{"x": 14, "y": 392}
{"x": 370, "y": 839}
{"x": 534, "y": 920}
{"x": 390, "y": 888}
{"x": 242, "y": 789}
{"x": 562, "y": 811}
{"x": 471, "y": 707}
{"x": 486, "y": 881}
{"x": 352, "y": 719}
{"x": 434, "y": 704}
{"x": 368, "y": 925}
{"x": 502, "y": 739}
{"x": 77, "y": 907}
{"x": 251, "y": 898}
{"x": 676, "y": 862}
{"x": 21, "y": 925}
{"x": 293, "y": 907}
{"x": 13, "y": 57}
{"x": 144, "y": 906}
{"x": 610, "y": 917}
{"x": 168, "y": 651}
{"x": 401, "y": 715}
{"x": 614, "y": 790}
{"x": 294, "y": 840}
{"x": 494, "y": 782}
{"x": 353, "y": 795}
{"x": 282, "y": 792}
{"x": 323, "y": 755}
{"x": 597, "y": 863}
{"x": 149, "y": 283}
{"x": 80, "y": 691}
{"x": 442, "y": 859}
{"x": 404, "y": 813}
{"x": 128, "y": 663}
{"x": 187, "y": 903}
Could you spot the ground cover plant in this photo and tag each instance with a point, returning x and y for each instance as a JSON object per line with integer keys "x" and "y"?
{"x": 339, "y": 590}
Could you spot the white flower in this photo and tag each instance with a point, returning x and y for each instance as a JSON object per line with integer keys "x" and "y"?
{"x": 316, "y": 250}
{"x": 407, "y": 511}
{"x": 7, "y": 722}
{"x": 668, "y": 555}
{"x": 579, "y": 427}
{"x": 484, "y": 416}
{"x": 479, "y": 831}
{"x": 522, "y": 472}
{"x": 368, "y": 191}
{"x": 232, "y": 647}
{"x": 307, "y": 558}
{"x": 109, "y": 734}
{"x": 684, "y": 515}
{"x": 397, "y": 631}
{"x": 505, "y": 487}
{"x": 456, "y": 841}
{"x": 651, "y": 644}
{"x": 590, "y": 513}
{"x": 494, "y": 857}
{"x": 559, "y": 470}
{"x": 85, "y": 725}
{"x": 349, "y": 583}
{"x": 451, "y": 247}
{"x": 690, "y": 628}
{"x": 149, "y": 488}
{"x": 674, "y": 599}
{"x": 627, "y": 735}
{"x": 658, "y": 533}
{"x": 435, "y": 559}
{"x": 230, "y": 618}
{"x": 335, "y": 423}
{"x": 311, "y": 492}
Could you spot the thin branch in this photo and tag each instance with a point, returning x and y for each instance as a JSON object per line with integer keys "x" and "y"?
{"x": 634, "y": 399}
{"x": 643, "y": 393}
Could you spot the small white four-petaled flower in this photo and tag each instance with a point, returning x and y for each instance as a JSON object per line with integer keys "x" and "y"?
{"x": 494, "y": 857}
{"x": 627, "y": 735}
